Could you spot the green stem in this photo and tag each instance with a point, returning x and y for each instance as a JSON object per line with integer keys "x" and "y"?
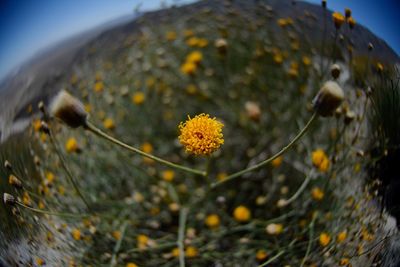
{"x": 118, "y": 245}
{"x": 89, "y": 126}
{"x": 60, "y": 214}
{"x": 181, "y": 235}
{"x": 299, "y": 191}
{"x": 272, "y": 259}
{"x": 311, "y": 233}
{"x": 265, "y": 162}
{"x": 69, "y": 174}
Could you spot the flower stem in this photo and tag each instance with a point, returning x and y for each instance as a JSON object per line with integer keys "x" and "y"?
{"x": 310, "y": 239}
{"x": 89, "y": 126}
{"x": 59, "y": 214}
{"x": 118, "y": 245}
{"x": 181, "y": 235}
{"x": 265, "y": 162}
{"x": 299, "y": 191}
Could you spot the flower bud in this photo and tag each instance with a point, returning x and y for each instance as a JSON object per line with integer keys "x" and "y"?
{"x": 335, "y": 71}
{"x": 328, "y": 99}
{"x": 222, "y": 45}
{"x": 68, "y": 109}
{"x": 349, "y": 116}
{"x": 253, "y": 110}
{"x": 8, "y": 199}
{"x": 41, "y": 107}
{"x": 14, "y": 181}
{"x": 44, "y": 127}
{"x": 7, "y": 165}
{"x": 370, "y": 46}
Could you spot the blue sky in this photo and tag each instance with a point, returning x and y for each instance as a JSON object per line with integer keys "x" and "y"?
{"x": 27, "y": 26}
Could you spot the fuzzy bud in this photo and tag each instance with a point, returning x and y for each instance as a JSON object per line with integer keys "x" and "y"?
{"x": 335, "y": 71}
{"x": 14, "y": 181}
{"x": 68, "y": 109}
{"x": 328, "y": 99}
{"x": 8, "y": 199}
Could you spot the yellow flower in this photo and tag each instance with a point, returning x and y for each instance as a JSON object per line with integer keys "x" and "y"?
{"x": 212, "y": 221}
{"x": 201, "y": 135}
{"x": 71, "y": 145}
{"x": 168, "y": 175}
{"x": 277, "y": 162}
{"x": 191, "y": 89}
{"x": 171, "y": 36}
{"x": 324, "y": 239}
{"x": 317, "y": 193}
{"x": 26, "y": 199}
{"x": 195, "y": 57}
{"x": 306, "y": 61}
{"x": 351, "y": 22}
{"x": 320, "y": 160}
{"x": 40, "y": 261}
{"x": 338, "y": 19}
{"x": 261, "y": 255}
{"x": 116, "y": 235}
{"x": 36, "y": 124}
{"x": 274, "y": 228}
{"x": 191, "y": 252}
{"x": 242, "y": 214}
{"x": 131, "y": 264}
{"x": 142, "y": 241}
{"x": 98, "y": 87}
{"x": 147, "y": 147}
{"x": 76, "y": 234}
{"x": 221, "y": 176}
{"x": 341, "y": 236}
{"x": 138, "y": 98}
{"x": 175, "y": 252}
{"x": 192, "y": 41}
{"x": 202, "y": 42}
{"x": 188, "y": 68}
{"x": 50, "y": 177}
{"x": 344, "y": 262}
{"x": 109, "y": 124}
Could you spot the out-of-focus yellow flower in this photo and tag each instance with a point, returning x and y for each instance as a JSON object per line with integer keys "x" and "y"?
{"x": 138, "y": 98}
{"x": 306, "y": 61}
{"x": 109, "y": 124}
{"x": 170, "y": 35}
{"x": 40, "y": 261}
{"x": 168, "y": 175}
{"x": 98, "y": 87}
{"x": 201, "y": 135}
{"x": 221, "y": 176}
{"x": 324, "y": 239}
{"x": 192, "y": 41}
{"x": 341, "y": 236}
{"x": 76, "y": 234}
{"x": 317, "y": 193}
{"x": 71, "y": 145}
{"x": 116, "y": 235}
{"x": 188, "y": 68}
{"x": 131, "y": 264}
{"x": 196, "y": 57}
{"x": 188, "y": 33}
{"x": 338, "y": 19}
{"x": 344, "y": 262}
{"x": 191, "y": 89}
{"x": 277, "y": 162}
{"x": 202, "y": 42}
{"x": 147, "y": 147}
{"x": 320, "y": 160}
{"x": 379, "y": 67}
{"x": 26, "y": 199}
{"x": 242, "y": 214}
{"x": 36, "y": 124}
{"x": 142, "y": 241}
{"x": 191, "y": 252}
{"x": 274, "y": 228}
{"x": 261, "y": 255}
{"x": 175, "y": 252}
{"x": 278, "y": 59}
{"x": 351, "y": 21}
{"x": 212, "y": 221}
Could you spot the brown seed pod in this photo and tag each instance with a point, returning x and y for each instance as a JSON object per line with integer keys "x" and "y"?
{"x": 328, "y": 99}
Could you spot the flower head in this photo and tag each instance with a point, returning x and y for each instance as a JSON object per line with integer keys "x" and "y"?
{"x": 328, "y": 99}
{"x": 320, "y": 160}
{"x": 212, "y": 221}
{"x": 338, "y": 19}
{"x": 201, "y": 135}
{"x": 324, "y": 239}
{"x": 242, "y": 214}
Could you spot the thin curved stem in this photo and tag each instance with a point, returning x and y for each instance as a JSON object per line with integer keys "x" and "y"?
{"x": 299, "y": 191}
{"x": 265, "y": 162}
{"x": 310, "y": 239}
{"x": 90, "y": 127}
{"x": 60, "y": 214}
{"x": 65, "y": 167}
{"x": 117, "y": 247}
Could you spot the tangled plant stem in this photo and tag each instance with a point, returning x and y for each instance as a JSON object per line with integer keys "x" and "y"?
{"x": 90, "y": 127}
{"x": 265, "y": 162}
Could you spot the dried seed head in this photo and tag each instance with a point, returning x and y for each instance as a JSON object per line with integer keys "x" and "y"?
{"x": 68, "y": 109}
{"x": 7, "y": 165}
{"x": 253, "y": 110}
{"x": 370, "y": 46}
{"x": 328, "y": 99}
{"x": 14, "y": 181}
{"x": 41, "y": 107}
{"x": 335, "y": 71}
{"x": 349, "y": 117}
{"x": 222, "y": 45}
{"x": 8, "y": 199}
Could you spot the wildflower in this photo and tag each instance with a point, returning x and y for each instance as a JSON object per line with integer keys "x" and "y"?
{"x": 306, "y": 61}
{"x": 191, "y": 252}
{"x": 40, "y": 261}
{"x": 26, "y": 199}
{"x": 8, "y": 199}
{"x": 341, "y": 236}
{"x": 138, "y": 197}
{"x": 138, "y": 98}
{"x": 131, "y": 264}
{"x": 14, "y": 181}
{"x": 221, "y": 45}
{"x": 98, "y": 87}
{"x": 351, "y": 22}
{"x": 168, "y": 175}
{"x": 317, "y": 193}
{"x": 212, "y": 221}
{"x": 379, "y": 67}
{"x": 338, "y": 19}
{"x": 320, "y": 160}
{"x": 335, "y": 71}
{"x": 324, "y": 239}
{"x": 274, "y": 228}
{"x": 278, "y": 59}
{"x": 277, "y": 162}
{"x": 174, "y": 207}
{"x": 329, "y": 97}
{"x": 116, "y": 235}
{"x": 142, "y": 241}
{"x": 36, "y": 125}
{"x": 188, "y": 68}
{"x": 171, "y": 36}
{"x": 109, "y": 124}
{"x": 71, "y": 145}
{"x": 195, "y": 57}
{"x": 201, "y": 135}
{"x": 175, "y": 252}
{"x": 344, "y": 262}
{"x": 76, "y": 234}
{"x": 68, "y": 109}
{"x": 192, "y": 41}
{"x": 202, "y": 42}
{"x": 221, "y": 176}
{"x": 242, "y": 214}
{"x": 261, "y": 255}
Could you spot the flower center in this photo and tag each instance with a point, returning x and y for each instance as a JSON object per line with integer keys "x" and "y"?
{"x": 199, "y": 135}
